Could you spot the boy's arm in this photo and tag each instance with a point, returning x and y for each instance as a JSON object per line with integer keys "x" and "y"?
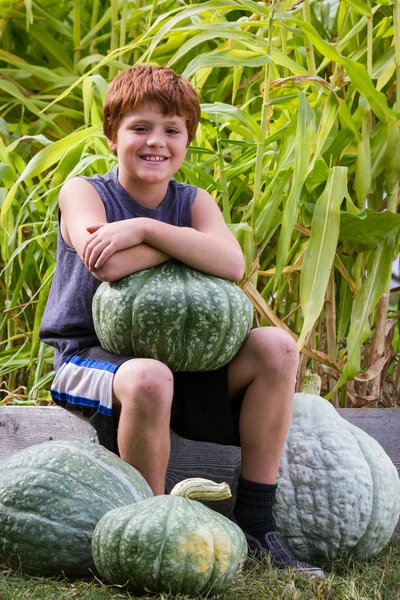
{"x": 80, "y": 207}
{"x": 208, "y": 245}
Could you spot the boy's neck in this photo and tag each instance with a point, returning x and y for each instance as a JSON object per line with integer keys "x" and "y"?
{"x": 150, "y": 195}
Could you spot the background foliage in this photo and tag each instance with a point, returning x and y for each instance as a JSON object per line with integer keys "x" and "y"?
{"x": 299, "y": 144}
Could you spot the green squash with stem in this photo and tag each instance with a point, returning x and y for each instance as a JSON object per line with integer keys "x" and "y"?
{"x": 171, "y": 544}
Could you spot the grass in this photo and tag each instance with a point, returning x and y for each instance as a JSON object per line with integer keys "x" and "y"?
{"x": 374, "y": 579}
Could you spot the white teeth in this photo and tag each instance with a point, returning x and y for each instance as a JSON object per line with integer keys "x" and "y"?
{"x": 154, "y": 158}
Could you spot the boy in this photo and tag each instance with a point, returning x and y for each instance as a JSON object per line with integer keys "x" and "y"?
{"x": 137, "y": 217}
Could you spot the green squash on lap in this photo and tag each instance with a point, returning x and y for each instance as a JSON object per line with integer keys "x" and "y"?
{"x": 186, "y": 319}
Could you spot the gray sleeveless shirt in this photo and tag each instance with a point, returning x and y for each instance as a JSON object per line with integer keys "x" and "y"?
{"x": 67, "y": 322}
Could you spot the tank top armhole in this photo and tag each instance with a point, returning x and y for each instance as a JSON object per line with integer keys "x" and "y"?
{"x": 190, "y": 197}
{"x": 60, "y": 239}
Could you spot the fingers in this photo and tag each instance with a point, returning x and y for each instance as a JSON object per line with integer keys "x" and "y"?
{"x": 94, "y": 246}
{"x": 96, "y": 227}
{"x": 93, "y": 252}
{"x": 103, "y": 256}
{"x": 97, "y": 251}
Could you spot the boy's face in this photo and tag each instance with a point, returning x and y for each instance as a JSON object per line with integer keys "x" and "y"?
{"x": 150, "y": 146}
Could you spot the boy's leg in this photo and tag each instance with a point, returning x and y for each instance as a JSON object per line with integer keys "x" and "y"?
{"x": 266, "y": 369}
{"x": 143, "y": 392}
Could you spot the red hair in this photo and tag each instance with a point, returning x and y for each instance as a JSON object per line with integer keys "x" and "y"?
{"x": 147, "y": 83}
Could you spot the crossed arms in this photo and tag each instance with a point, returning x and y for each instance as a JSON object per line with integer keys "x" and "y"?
{"x": 113, "y": 250}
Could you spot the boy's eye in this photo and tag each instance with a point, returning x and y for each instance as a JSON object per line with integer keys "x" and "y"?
{"x": 173, "y": 131}
{"x": 139, "y": 128}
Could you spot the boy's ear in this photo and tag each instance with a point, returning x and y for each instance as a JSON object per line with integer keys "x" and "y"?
{"x": 112, "y": 145}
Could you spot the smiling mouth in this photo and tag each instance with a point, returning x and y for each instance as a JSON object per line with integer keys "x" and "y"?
{"x": 154, "y": 159}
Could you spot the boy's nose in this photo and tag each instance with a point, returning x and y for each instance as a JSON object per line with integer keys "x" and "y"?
{"x": 155, "y": 139}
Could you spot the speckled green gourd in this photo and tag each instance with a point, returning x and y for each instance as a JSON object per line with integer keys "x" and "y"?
{"x": 52, "y": 496}
{"x": 186, "y": 319}
{"x": 168, "y": 544}
{"x": 338, "y": 491}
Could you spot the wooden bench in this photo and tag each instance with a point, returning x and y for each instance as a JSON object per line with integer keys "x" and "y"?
{"x": 23, "y": 426}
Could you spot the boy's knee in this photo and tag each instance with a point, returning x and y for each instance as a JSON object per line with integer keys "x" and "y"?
{"x": 144, "y": 381}
{"x": 275, "y": 348}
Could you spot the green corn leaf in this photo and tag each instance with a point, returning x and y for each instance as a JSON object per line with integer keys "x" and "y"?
{"x": 226, "y": 58}
{"x": 356, "y": 71}
{"x": 7, "y": 175}
{"x": 393, "y": 157}
{"x": 256, "y": 7}
{"x": 367, "y": 230}
{"x": 215, "y": 30}
{"x": 46, "y": 158}
{"x": 384, "y": 61}
{"x": 305, "y": 135}
{"x": 326, "y": 124}
{"x": 237, "y": 77}
{"x": 347, "y": 119}
{"x": 345, "y": 303}
{"x": 183, "y": 13}
{"x": 41, "y": 305}
{"x": 321, "y": 249}
{"x": 379, "y": 149}
{"x": 386, "y": 76}
{"x": 219, "y": 109}
{"x": 41, "y": 139}
{"x": 57, "y": 50}
{"x": 316, "y": 177}
{"x": 367, "y": 298}
{"x": 279, "y": 58}
{"x": 26, "y": 265}
{"x": 42, "y": 73}
{"x": 362, "y": 183}
{"x": 214, "y": 33}
{"x": 359, "y": 7}
{"x": 62, "y": 26}
{"x": 10, "y": 88}
{"x": 267, "y": 213}
{"x": 289, "y": 141}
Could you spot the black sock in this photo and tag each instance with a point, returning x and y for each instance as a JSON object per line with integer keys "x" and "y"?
{"x": 253, "y": 508}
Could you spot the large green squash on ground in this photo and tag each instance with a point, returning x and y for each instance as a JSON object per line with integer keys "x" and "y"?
{"x": 186, "y": 319}
{"x": 338, "y": 491}
{"x": 52, "y": 496}
{"x": 169, "y": 544}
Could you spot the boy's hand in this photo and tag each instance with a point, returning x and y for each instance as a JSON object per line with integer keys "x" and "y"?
{"x": 108, "y": 238}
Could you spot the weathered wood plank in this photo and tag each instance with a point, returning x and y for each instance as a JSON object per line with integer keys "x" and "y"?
{"x": 23, "y": 426}
{"x": 383, "y": 424}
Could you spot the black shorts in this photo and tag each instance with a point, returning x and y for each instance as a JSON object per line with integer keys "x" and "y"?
{"x": 201, "y": 410}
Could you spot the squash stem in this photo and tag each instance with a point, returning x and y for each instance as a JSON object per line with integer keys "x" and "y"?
{"x": 197, "y": 488}
{"x": 311, "y": 383}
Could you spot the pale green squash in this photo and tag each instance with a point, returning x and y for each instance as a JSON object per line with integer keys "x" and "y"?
{"x": 338, "y": 491}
